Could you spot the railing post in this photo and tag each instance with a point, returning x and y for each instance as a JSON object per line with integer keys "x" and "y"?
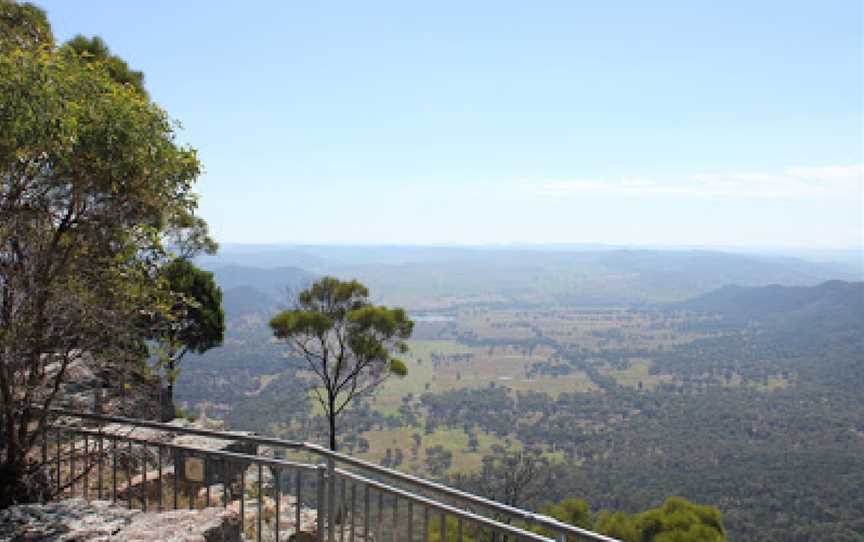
{"x": 332, "y": 509}
{"x": 322, "y": 503}
{"x": 45, "y": 448}
{"x": 59, "y": 473}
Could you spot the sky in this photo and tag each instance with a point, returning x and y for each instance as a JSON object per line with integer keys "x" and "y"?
{"x": 734, "y": 123}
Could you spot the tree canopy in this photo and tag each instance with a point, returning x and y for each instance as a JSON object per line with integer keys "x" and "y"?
{"x": 676, "y": 520}
{"x": 195, "y": 322}
{"x": 347, "y": 341}
{"x": 92, "y": 185}
{"x": 23, "y": 26}
{"x": 95, "y": 50}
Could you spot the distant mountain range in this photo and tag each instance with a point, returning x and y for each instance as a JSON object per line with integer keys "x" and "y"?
{"x": 835, "y": 295}
{"x": 800, "y": 313}
{"x": 424, "y": 278}
{"x": 258, "y": 293}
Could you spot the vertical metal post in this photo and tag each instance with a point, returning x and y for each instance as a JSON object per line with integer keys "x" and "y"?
{"x": 129, "y": 476}
{"x": 72, "y": 464}
{"x": 242, "y": 501}
{"x": 459, "y": 530}
{"x": 59, "y": 474}
{"x": 160, "y": 484}
{"x": 45, "y": 448}
{"x": 443, "y": 526}
{"x": 278, "y": 473}
{"x": 177, "y": 470}
{"x": 342, "y": 514}
{"x": 395, "y": 516}
{"x": 86, "y": 471}
{"x": 411, "y": 521}
{"x": 225, "y": 482}
{"x": 114, "y": 469}
{"x": 353, "y": 509}
{"x": 380, "y": 521}
{"x": 99, "y": 468}
{"x": 260, "y": 500}
{"x": 207, "y": 481}
{"x": 322, "y": 503}
{"x": 332, "y": 509}
{"x": 298, "y": 502}
{"x": 426, "y": 524}
{"x": 190, "y": 492}
{"x": 366, "y": 511}
{"x": 144, "y": 492}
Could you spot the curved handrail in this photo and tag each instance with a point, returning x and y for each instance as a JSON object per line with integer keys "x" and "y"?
{"x": 529, "y": 517}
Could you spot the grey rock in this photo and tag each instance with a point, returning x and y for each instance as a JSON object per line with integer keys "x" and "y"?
{"x": 74, "y": 520}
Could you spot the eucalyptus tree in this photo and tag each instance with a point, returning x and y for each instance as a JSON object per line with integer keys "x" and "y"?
{"x": 195, "y": 322}
{"x": 95, "y": 50}
{"x": 93, "y": 188}
{"x": 347, "y": 342}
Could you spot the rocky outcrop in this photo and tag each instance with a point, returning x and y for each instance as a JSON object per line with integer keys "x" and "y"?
{"x": 209, "y": 524}
{"x": 92, "y": 385}
{"x": 77, "y": 520}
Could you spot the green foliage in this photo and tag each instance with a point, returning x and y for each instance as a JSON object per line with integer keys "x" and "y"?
{"x": 289, "y": 324}
{"x": 23, "y": 26}
{"x": 199, "y": 320}
{"x": 346, "y": 341}
{"x": 751, "y": 450}
{"x": 194, "y": 322}
{"x": 95, "y": 50}
{"x": 515, "y": 478}
{"x": 677, "y": 520}
{"x": 616, "y": 525}
{"x": 92, "y": 183}
{"x": 398, "y": 367}
{"x": 469, "y": 533}
{"x": 571, "y": 511}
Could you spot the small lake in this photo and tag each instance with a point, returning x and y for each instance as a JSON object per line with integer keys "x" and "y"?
{"x": 432, "y": 318}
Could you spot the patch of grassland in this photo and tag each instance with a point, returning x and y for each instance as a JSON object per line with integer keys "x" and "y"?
{"x": 639, "y": 371}
{"x": 452, "y": 439}
{"x": 505, "y": 366}
{"x": 421, "y": 372}
{"x": 775, "y": 382}
{"x": 264, "y": 381}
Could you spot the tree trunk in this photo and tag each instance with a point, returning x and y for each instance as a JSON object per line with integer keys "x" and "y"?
{"x": 166, "y": 397}
{"x": 20, "y": 484}
{"x": 12, "y": 487}
{"x": 167, "y": 410}
{"x": 332, "y": 416}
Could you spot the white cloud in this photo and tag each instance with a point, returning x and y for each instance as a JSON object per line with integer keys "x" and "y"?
{"x": 799, "y": 182}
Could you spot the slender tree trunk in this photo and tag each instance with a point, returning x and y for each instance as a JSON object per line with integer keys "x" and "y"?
{"x": 167, "y": 408}
{"x": 331, "y": 414}
{"x": 22, "y": 483}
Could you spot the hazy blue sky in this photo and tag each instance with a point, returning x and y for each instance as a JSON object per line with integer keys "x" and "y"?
{"x": 692, "y": 122}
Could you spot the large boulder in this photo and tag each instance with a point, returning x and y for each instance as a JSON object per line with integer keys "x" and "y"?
{"x": 209, "y": 524}
{"x": 77, "y": 520}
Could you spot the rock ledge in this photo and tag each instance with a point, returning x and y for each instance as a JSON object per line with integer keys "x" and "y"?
{"x": 78, "y": 520}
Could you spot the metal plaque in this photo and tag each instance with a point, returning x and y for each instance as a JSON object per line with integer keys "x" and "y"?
{"x": 194, "y": 469}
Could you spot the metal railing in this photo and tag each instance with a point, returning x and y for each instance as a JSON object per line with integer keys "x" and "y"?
{"x": 341, "y": 498}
